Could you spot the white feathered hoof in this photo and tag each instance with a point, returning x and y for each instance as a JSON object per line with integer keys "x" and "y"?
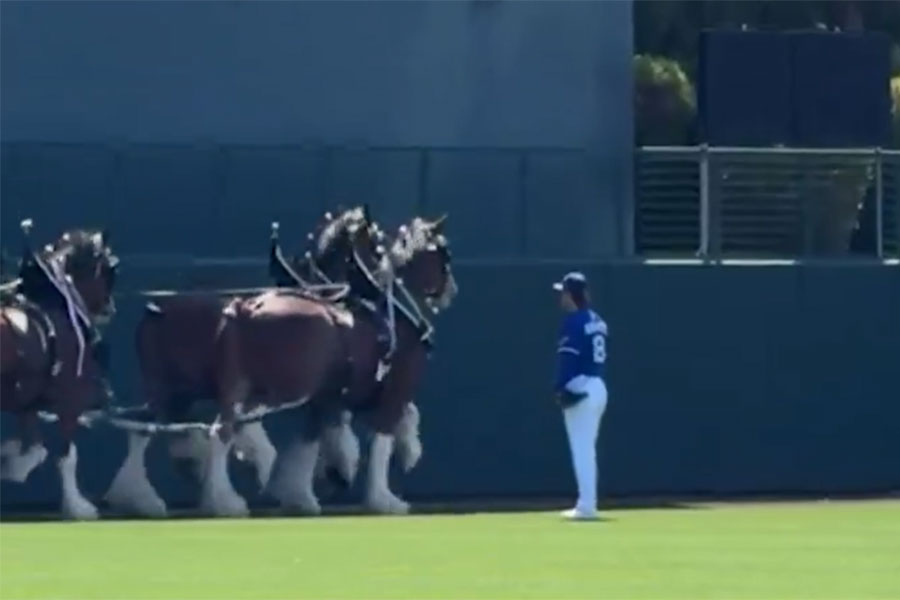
{"x": 341, "y": 454}
{"x": 408, "y": 442}
{"x": 252, "y": 445}
{"x": 74, "y": 505}
{"x": 133, "y": 498}
{"x": 17, "y": 467}
{"x": 11, "y": 447}
{"x": 131, "y": 491}
{"x": 224, "y": 505}
{"x": 218, "y": 498}
{"x": 79, "y": 508}
{"x": 292, "y": 496}
{"x": 138, "y": 505}
{"x": 306, "y": 505}
{"x": 410, "y": 453}
{"x": 387, "y": 504}
{"x": 292, "y": 484}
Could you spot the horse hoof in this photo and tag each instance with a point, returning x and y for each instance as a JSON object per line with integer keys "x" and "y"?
{"x": 292, "y": 498}
{"x": 226, "y": 507}
{"x": 412, "y": 458}
{"x": 400, "y": 507}
{"x": 147, "y": 504}
{"x": 11, "y": 447}
{"x": 152, "y": 508}
{"x": 18, "y": 467}
{"x": 388, "y": 505}
{"x": 308, "y": 507}
{"x": 80, "y": 509}
{"x": 264, "y": 467}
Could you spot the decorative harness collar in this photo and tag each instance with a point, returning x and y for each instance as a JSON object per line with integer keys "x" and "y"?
{"x": 76, "y": 311}
{"x": 281, "y": 270}
{"x": 411, "y": 310}
{"x": 388, "y": 288}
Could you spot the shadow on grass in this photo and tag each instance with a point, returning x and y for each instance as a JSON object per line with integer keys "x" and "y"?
{"x": 426, "y": 507}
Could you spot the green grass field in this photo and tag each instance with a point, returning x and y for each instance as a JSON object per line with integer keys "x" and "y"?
{"x": 805, "y": 550}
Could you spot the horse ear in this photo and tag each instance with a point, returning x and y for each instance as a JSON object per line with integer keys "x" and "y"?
{"x": 367, "y": 213}
{"x": 438, "y": 225}
{"x": 105, "y": 237}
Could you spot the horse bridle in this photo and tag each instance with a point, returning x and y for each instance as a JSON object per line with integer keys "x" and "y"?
{"x": 394, "y": 291}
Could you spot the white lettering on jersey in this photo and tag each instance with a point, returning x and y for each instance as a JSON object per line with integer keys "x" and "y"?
{"x": 595, "y": 327}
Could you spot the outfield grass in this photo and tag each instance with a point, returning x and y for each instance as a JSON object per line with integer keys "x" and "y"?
{"x": 824, "y": 550}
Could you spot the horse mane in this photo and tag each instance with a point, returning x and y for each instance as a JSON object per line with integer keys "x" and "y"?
{"x": 335, "y": 227}
{"x": 414, "y": 238}
{"x": 77, "y": 247}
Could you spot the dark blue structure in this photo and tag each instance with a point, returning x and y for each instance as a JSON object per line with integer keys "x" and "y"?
{"x": 807, "y": 89}
{"x": 723, "y": 380}
{"x": 162, "y": 84}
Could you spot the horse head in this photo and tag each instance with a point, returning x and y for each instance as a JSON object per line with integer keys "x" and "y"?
{"x": 421, "y": 258}
{"x": 87, "y": 258}
{"x": 338, "y": 241}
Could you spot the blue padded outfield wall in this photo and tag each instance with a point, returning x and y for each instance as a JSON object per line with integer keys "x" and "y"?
{"x": 723, "y": 380}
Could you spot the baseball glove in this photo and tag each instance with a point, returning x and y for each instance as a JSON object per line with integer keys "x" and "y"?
{"x": 566, "y": 399}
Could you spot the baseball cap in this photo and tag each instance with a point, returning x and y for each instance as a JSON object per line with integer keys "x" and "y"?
{"x": 575, "y": 283}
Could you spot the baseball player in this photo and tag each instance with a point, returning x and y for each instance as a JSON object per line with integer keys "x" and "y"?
{"x": 580, "y": 389}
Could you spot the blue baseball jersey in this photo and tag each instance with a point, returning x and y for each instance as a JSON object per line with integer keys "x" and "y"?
{"x": 582, "y": 347}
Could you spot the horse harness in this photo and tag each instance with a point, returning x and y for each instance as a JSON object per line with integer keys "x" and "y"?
{"x": 27, "y": 297}
{"x": 45, "y": 327}
{"x": 382, "y": 303}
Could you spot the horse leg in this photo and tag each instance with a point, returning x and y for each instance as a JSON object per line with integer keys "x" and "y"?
{"x": 252, "y": 443}
{"x": 74, "y": 504}
{"x": 17, "y": 465}
{"x": 190, "y": 452}
{"x": 408, "y": 446}
{"x": 293, "y": 483}
{"x": 218, "y": 496}
{"x": 391, "y": 417}
{"x": 131, "y": 491}
{"x": 379, "y": 497}
{"x": 340, "y": 450}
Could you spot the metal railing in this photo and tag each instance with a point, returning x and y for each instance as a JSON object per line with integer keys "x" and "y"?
{"x": 767, "y": 202}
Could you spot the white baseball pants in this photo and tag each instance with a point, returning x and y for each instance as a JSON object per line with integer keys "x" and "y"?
{"x": 582, "y": 425}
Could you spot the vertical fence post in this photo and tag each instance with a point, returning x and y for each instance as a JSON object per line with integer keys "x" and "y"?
{"x": 704, "y": 201}
{"x": 879, "y": 203}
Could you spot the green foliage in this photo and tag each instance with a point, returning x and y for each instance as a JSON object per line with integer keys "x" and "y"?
{"x": 664, "y": 101}
{"x": 895, "y": 109}
{"x": 672, "y": 27}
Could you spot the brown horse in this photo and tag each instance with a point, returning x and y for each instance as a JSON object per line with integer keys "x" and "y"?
{"x": 48, "y": 353}
{"x": 291, "y": 348}
{"x": 178, "y": 343}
